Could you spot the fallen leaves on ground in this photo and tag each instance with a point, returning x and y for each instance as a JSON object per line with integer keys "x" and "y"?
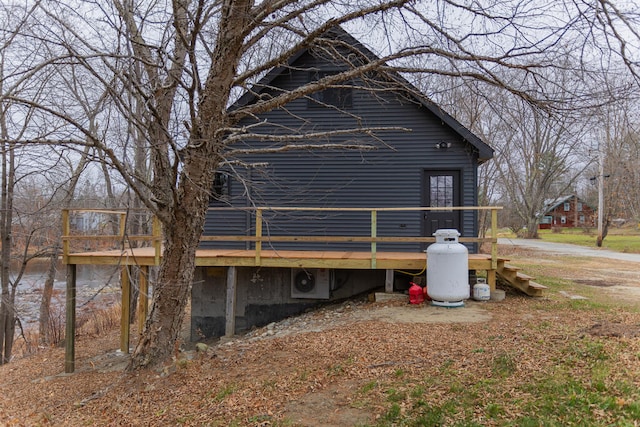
{"x": 339, "y": 369}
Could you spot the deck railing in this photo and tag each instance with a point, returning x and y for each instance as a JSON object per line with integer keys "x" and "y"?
{"x": 94, "y": 235}
{"x": 119, "y": 220}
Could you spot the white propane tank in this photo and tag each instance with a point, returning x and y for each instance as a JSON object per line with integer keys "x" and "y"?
{"x": 447, "y": 270}
{"x": 481, "y": 290}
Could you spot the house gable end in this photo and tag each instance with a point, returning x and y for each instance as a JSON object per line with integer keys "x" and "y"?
{"x": 296, "y": 64}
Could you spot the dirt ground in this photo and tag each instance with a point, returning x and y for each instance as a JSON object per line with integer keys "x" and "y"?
{"x": 615, "y": 279}
{"x": 312, "y": 370}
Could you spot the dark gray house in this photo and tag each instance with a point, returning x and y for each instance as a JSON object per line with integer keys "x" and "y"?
{"x": 403, "y": 151}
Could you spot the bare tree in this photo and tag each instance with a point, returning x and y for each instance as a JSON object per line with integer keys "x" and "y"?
{"x": 471, "y": 103}
{"x": 32, "y": 175}
{"x": 541, "y": 153}
{"x": 538, "y": 164}
{"x": 13, "y": 19}
{"x": 92, "y": 105}
{"x": 7, "y": 305}
{"x": 179, "y": 66}
{"x": 614, "y": 175}
{"x": 537, "y": 148}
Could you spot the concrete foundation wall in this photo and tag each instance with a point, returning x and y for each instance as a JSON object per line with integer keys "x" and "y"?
{"x": 263, "y": 296}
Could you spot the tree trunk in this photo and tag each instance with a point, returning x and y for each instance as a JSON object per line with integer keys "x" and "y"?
{"x": 8, "y": 332}
{"x": 44, "y": 321}
{"x": 171, "y": 290}
{"x": 183, "y": 215}
{"x": 532, "y": 229}
{"x": 605, "y": 231}
{"x": 7, "y": 307}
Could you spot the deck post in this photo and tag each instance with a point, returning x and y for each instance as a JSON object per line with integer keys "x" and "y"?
{"x": 230, "y": 308}
{"x": 66, "y": 231}
{"x": 494, "y": 239}
{"x": 123, "y": 226}
{"x": 491, "y": 274}
{"x": 388, "y": 281}
{"x": 491, "y": 279}
{"x": 374, "y": 234}
{"x": 70, "y": 326}
{"x": 258, "y": 236}
{"x": 143, "y": 299}
{"x": 125, "y": 284}
{"x": 156, "y": 231}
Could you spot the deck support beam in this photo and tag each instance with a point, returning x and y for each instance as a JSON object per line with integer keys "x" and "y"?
{"x": 143, "y": 298}
{"x": 388, "y": 281}
{"x": 491, "y": 279}
{"x": 125, "y": 312}
{"x": 230, "y": 308}
{"x": 374, "y": 234}
{"x": 70, "y": 327}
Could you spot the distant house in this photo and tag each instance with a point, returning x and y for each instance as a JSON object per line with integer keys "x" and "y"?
{"x": 568, "y": 211}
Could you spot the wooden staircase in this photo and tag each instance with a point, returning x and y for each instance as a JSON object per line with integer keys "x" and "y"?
{"x": 518, "y": 280}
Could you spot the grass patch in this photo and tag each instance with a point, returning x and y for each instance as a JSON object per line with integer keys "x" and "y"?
{"x": 368, "y": 387}
{"x": 581, "y": 384}
{"x": 619, "y": 240}
{"x": 220, "y": 395}
{"x": 587, "y": 305}
{"x": 626, "y": 239}
{"x": 562, "y": 398}
{"x": 504, "y": 365}
{"x": 555, "y": 399}
{"x": 396, "y": 396}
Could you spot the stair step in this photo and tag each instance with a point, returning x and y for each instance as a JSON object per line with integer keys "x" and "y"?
{"x": 536, "y": 289}
{"x": 536, "y": 285}
{"x": 521, "y": 281}
{"x": 522, "y": 276}
{"x": 511, "y": 267}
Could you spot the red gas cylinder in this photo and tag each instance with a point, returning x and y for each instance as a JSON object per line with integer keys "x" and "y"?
{"x": 416, "y": 294}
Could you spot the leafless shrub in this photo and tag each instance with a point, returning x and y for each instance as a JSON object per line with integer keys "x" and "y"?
{"x": 100, "y": 321}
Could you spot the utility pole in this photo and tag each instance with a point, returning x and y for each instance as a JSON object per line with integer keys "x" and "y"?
{"x": 600, "y": 178}
{"x": 600, "y": 194}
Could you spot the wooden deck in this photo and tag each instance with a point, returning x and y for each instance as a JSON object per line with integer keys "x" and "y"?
{"x": 271, "y": 258}
{"x": 145, "y": 257}
{"x": 120, "y": 221}
{"x": 374, "y": 259}
{"x": 411, "y": 261}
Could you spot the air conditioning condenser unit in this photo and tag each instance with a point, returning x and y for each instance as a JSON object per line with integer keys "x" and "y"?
{"x": 312, "y": 283}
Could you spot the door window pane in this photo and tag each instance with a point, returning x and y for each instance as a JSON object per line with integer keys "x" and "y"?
{"x": 441, "y": 191}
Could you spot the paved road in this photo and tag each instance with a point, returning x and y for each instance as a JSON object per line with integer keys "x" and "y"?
{"x": 567, "y": 249}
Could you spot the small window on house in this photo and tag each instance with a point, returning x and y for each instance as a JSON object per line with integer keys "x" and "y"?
{"x": 581, "y": 219}
{"x": 221, "y": 186}
{"x": 563, "y": 220}
{"x": 340, "y": 96}
{"x": 579, "y": 207}
{"x": 567, "y": 206}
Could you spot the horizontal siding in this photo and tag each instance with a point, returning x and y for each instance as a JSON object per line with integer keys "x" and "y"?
{"x": 389, "y": 176}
